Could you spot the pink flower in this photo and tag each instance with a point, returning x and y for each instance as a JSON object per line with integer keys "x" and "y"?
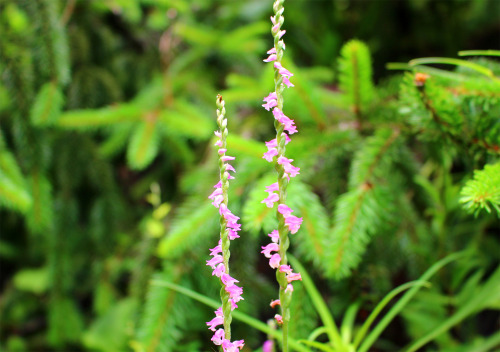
{"x": 275, "y": 260}
{"x": 218, "y": 312}
{"x": 271, "y": 57}
{"x": 293, "y": 223}
{"x": 269, "y": 105}
{"x": 275, "y": 303}
{"x": 270, "y": 154}
{"x": 293, "y": 276}
{"x": 287, "y": 82}
{"x": 214, "y": 261}
{"x": 218, "y": 134}
{"x": 289, "y": 288}
{"x": 218, "y": 143}
{"x": 269, "y": 201}
{"x": 216, "y": 250}
{"x": 285, "y": 269}
{"x": 218, "y": 337}
{"x": 272, "y": 187}
{"x": 219, "y": 270}
{"x": 271, "y": 247}
{"x": 222, "y": 151}
{"x": 291, "y": 170}
{"x": 281, "y": 34}
{"x": 272, "y": 50}
{"x": 229, "y": 167}
{"x": 227, "y": 158}
{"x": 279, "y": 319}
{"x": 229, "y": 346}
{"x": 232, "y": 234}
{"x": 268, "y": 346}
{"x": 235, "y": 292}
{"x": 228, "y": 280}
{"x": 285, "y": 210}
{"x": 214, "y": 322}
{"x": 283, "y": 71}
{"x": 275, "y": 236}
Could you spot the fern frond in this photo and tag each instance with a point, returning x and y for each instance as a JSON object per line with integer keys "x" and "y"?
{"x": 256, "y": 215}
{"x": 143, "y": 145}
{"x": 483, "y": 191}
{"x": 14, "y": 193}
{"x": 40, "y": 216}
{"x": 195, "y": 220}
{"x": 94, "y": 118}
{"x": 362, "y": 210}
{"x": 157, "y": 329}
{"x": 355, "y": 74}
{"x": 48, "y": 105}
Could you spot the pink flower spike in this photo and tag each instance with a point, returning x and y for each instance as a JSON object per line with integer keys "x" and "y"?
{"x": 284, "y": 210}
{"x": 269, "y": 201}
{"x": 285, "y": 269}
{"x": 275, "y": 260}
{"x": 271, "y": 247}
{"x": 279, "y": 319}
{"x": 215, "y": 260}
{"x": 214, "y": 322}
{"x": 218, "y": 337}
{"x": 289, "y": 288}
{"x": 222, "y": 151}
{"x": 271, "y": 51}
{"x": 293, "y": 276}
{"x": 219, "y": 270}
{"x": 270, "y": 154}
{"x": 275, "y": 303}
{"x": 272, "y": 187}
{"x": 271, "y": 57}
{"x": 275, "y": 236}
{"x": 227, "y": 158}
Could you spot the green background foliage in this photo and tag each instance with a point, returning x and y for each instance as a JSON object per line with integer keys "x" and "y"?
{"x": 106, "y": 161}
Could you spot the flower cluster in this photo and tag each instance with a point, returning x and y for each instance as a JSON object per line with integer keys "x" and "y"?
{"x": 231, "y": 293}
{"x": 276, "y": 250}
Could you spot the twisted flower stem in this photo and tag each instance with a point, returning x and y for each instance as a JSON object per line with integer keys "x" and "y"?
{"x": 225, "y": 243}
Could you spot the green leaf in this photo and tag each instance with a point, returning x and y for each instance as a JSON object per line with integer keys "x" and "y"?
{"x": 143, "y": 145}
{"x": 94, "y": 118}
{"x": 48, "y": 105}
{"x": 14, "y": 192}
{"x": 32, "y": 280}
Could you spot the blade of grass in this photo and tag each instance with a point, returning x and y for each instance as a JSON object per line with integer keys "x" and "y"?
{"x": 319, "y": 304}
{"x": 317, "y": 345}
{"x": 348, "y": 322}
{"x": 372, "y": 337}
{"x": 451, "y": 61}
{"x": 479, "y": 53}
{"x": 371, "y": 318}
{"x": 237, "y": 315}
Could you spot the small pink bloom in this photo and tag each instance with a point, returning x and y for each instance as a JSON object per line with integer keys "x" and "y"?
{"x": 292, "y": 170}
{"x": 285, "y": 210}
{"x": 218, "y": 185}
{"x": 271, "y": 247}
{"x": 217, "y": 133}
{"x": 285, "y": 269}
{"x": 270, "y": 154}
{"x": 219, "y": 270}
{"x": 269, "y": 201}
{"x": 222, "y": 151}
{"x": 275, "y": 260}
{"x": 229, "y": 167}
{"x": 279, "y": 319}
{"x": 293, "y": 223}
{"x": 218, "y": 312}
{"x": 228, "y": 280}
{"x": 289, "y": 288}
{"x": 215, "y": 260}
{"x": 232, "y": 234}
{"x": 215, "y": 193}
{"x": 233, "y": 304}
{"x": 218, "y": 337}
{"x": 271, "y": 57}
{"x": 275, "y": 236}
{"x": 235, "y": 292}
{"x": 293, "y": 276}
{"x": 275, "y": 303}
{"x": 218, "y": 143}
{"x": 214, "y": 322}
{"x": 269, "y": 105}
{"x": 272, "y": 144}
{"x": 272, "y": 187}
{"x": 227, "y": 158}
{"x": 273, "y": 19}
{"x": 272, "y": 51}
{"x": 287, "y": 82}
{"x": 268, "y": 346}
{"x": 281, "y": 34}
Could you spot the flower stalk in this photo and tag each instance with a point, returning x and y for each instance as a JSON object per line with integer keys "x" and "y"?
{"x": 276, "y": 154}
{"x": 230, "y": 293}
